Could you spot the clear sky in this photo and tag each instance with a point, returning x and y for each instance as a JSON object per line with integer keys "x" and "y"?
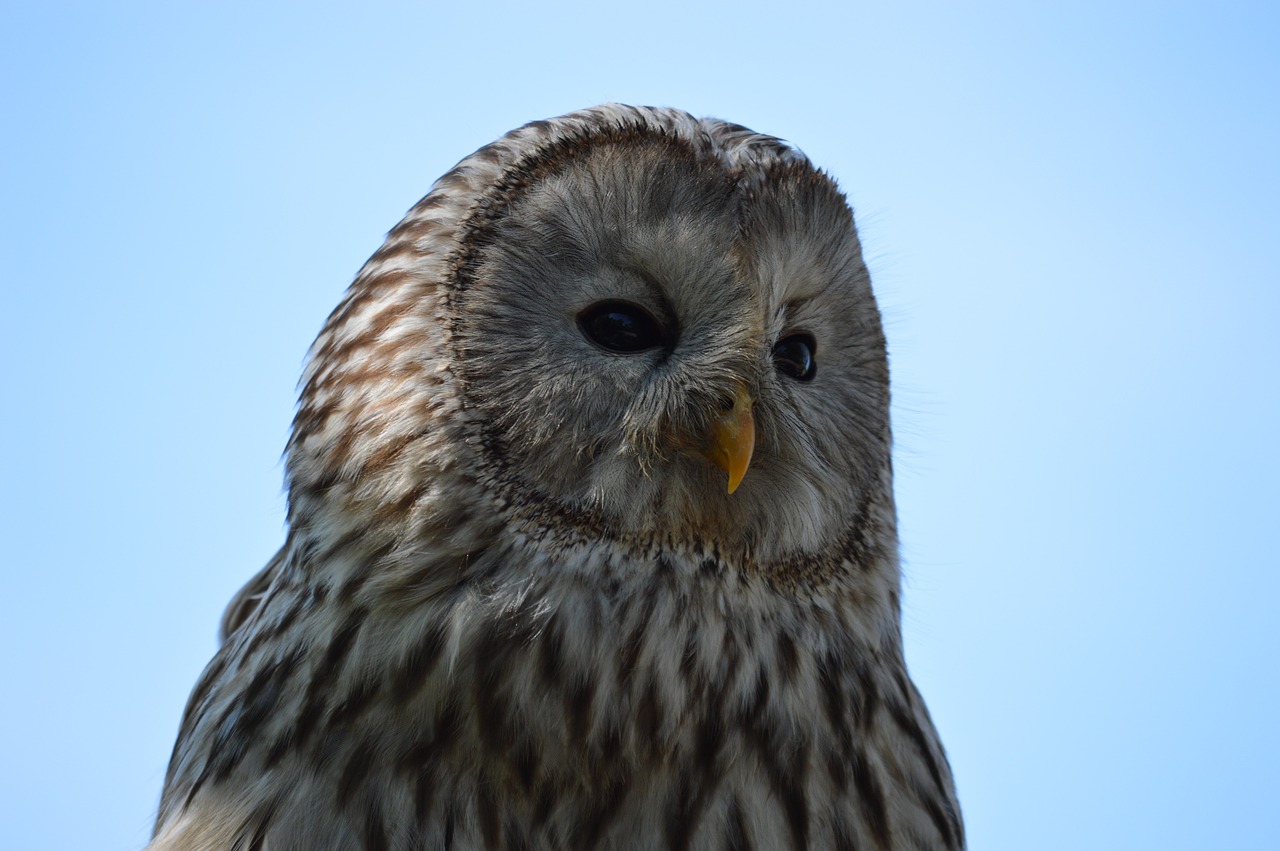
{"x": 1070, "y": 212}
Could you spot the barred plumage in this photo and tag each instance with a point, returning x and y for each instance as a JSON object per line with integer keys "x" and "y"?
{"x": 516, "y": 607}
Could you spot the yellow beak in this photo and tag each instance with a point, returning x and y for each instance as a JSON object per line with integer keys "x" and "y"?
{"x": 733, "y": 439}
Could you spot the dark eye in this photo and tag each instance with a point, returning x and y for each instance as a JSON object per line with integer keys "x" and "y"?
{"x": 620, "y": 326}
{"x": 793, "y": 356}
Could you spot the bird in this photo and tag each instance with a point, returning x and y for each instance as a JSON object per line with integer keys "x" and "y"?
{"x": 591, "y": 536}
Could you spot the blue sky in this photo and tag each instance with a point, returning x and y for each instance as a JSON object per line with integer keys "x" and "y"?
{"x": 1070, "y": 212}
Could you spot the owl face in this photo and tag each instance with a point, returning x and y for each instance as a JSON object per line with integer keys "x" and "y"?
{"x": 644, "y": 321}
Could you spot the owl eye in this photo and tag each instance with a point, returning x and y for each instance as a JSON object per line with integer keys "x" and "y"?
{"x": 793, "y": 356}
{"x": 620, "y": 326}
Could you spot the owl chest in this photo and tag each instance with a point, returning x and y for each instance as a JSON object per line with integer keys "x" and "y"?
{"x": 656, "y": 723}
{"x": 654, "y": 728}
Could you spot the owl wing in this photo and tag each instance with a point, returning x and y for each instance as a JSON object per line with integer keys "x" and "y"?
{"x": 247, "y": 599}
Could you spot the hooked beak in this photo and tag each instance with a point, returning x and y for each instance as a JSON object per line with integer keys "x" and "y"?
{"x": 732, "y": 438}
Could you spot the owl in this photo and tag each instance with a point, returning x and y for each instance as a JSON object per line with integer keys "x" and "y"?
{"x": 591, "y": 532}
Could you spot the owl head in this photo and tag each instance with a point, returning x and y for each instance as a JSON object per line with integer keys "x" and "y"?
{"x": 625, "y": 322}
